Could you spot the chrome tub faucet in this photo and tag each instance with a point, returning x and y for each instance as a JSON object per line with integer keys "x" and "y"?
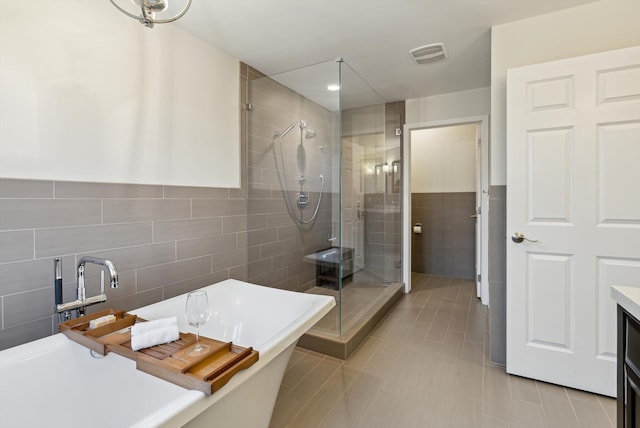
{"x": 82, "y": 301}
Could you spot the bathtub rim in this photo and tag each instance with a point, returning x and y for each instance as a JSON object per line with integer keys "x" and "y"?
{"x": 187, "y": 404}
{"x": 269, "y": 351}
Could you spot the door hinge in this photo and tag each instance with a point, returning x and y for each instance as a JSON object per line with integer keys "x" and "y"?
{"x": 479, "y": 278}
{"x": 479, "y": 210}
{"x": 479, "y": 141}
{"x": 398, "y": 132}
{"x": 248, "y": 106}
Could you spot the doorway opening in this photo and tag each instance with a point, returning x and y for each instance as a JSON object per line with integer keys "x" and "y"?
{"x": 445, "y": 201}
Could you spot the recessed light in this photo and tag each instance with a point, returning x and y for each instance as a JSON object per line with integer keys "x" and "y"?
{"x": 333, "y": 87}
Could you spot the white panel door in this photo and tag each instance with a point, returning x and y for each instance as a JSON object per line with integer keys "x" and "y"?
{"x": 573, "y": 189}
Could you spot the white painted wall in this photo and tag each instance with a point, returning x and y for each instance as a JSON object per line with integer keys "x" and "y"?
{"x": 475, "y": 102}
{"x": 595, "y": 27}
{"x": 88, "y": 94}
{"x": 443, "y": 159}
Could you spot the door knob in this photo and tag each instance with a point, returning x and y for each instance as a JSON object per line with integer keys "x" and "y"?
{"x": 519, "y": 237}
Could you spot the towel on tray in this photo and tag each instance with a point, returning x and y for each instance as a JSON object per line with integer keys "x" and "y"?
{"x": 156, "y": 332}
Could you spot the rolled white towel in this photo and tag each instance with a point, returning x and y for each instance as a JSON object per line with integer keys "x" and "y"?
{"x": 156, "y": 332}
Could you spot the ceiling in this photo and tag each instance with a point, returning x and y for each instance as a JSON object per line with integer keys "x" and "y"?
{"x": 373, "y": 36}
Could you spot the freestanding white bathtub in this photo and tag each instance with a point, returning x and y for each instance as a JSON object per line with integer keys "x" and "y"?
{"x": 56, "y": 382}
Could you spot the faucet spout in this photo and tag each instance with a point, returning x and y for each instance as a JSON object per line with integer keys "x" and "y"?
{"x": 82, "y": 301}
{"x": 113, "y": 273}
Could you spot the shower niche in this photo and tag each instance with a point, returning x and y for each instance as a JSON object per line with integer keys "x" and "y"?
{"x": 313, "y": 225}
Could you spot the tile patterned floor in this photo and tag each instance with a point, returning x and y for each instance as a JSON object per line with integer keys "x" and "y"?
{"x": 426, "y": 365}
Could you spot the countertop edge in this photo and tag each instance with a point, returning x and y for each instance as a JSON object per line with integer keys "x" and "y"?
{"x": 628, "y": 298}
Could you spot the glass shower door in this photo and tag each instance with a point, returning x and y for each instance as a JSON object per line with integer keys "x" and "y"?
{"x": 293, "y": 174}
{"x": 321, "y": 192}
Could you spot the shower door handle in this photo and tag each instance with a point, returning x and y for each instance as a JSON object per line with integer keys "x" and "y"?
{"x": 358, "y": 212}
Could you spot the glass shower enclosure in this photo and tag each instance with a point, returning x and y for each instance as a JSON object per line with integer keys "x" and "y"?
{"x": 323, "y": 190}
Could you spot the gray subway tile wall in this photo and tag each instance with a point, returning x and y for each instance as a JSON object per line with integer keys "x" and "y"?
{"x": 141, "y": 256}
{"x": 136, "y": 210}
{"x": 446, "y": 246}
{"x": 26, "y": 332}
{"x": 383, "y": 236}
{"x": 16, "y": 245}
{"x": 213, "y": 207}
{"x": 243, "y": 224}
{"x": 196, "y": 247}
{"x": 150, "y": 232}
{"x": 83, "y": 190}
{"x": 43, "y": 213}
{"x": 38, "y": 302}
{"x": 197, "y": 192}
{"x": 172, "y": 230}
{"x": 14, "y": 188}
{"x": 30, "y": 274}
{"x": 169, "y": 273}
{"x": 82, "y": 239}
{"x": 498, "y": 273}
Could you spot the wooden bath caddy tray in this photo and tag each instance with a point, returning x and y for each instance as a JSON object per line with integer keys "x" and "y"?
{"x": 207, "y": 373}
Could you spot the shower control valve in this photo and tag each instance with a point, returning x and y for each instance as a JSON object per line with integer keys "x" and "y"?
{"x": 302, "y": 199}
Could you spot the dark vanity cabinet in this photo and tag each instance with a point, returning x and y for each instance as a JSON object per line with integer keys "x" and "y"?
{"x": 628, "y": 370}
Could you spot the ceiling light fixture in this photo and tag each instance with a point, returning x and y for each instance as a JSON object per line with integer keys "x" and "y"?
{"x": 429, "y": 54}
{"x": 149, "y": 9}
{"x": 333, "y": 87}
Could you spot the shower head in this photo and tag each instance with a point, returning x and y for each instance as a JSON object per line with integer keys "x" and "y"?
{"x": 304, "y": 131}
{"x": 309, "y": 134}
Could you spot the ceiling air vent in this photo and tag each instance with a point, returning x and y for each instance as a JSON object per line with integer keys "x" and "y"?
{"x": 429, "y": 54}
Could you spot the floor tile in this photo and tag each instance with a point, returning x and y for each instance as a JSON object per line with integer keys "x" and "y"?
{"x": 557, "y": 407}
{"x": 610, "y": 408}
{"x": 590, "y": 414}
{"x": 524, "y": 389}
{"x": 426, "y": 365}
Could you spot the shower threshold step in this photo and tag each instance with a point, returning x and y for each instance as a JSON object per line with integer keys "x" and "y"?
{"x": 355, "y": 331}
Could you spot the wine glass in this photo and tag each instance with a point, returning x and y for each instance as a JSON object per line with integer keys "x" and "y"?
{"x": 197, "y": 312}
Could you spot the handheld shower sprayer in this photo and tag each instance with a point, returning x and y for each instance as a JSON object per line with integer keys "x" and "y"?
{"x": 302, "y": 197}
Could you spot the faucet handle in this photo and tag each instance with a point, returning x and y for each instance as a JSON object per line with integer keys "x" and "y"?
{"x": 57, "y": 282}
